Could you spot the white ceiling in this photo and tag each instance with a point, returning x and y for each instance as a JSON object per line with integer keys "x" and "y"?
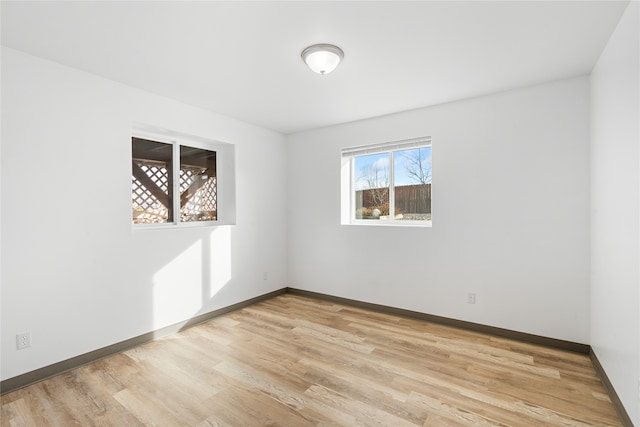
{"x": 242, "y": 59}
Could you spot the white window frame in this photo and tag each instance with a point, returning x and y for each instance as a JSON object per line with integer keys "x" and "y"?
{"x": 348, "y": 181}
{"x": 225, "y": 175}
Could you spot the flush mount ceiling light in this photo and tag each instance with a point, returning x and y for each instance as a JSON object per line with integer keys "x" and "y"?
{"x": 322, "y": 58}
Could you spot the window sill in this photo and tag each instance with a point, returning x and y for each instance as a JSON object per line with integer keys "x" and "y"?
{"x": 377, "y": 223}
{"x": 181, "y": 226}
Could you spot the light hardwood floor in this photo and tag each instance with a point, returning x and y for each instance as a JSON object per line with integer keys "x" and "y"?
{"x": 295, "y": 361}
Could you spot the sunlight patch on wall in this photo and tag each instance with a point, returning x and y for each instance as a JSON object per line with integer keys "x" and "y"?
{"x": 177, "y": 287}
{"x": 219, "y": 259}
{"x": 184, "y": 287}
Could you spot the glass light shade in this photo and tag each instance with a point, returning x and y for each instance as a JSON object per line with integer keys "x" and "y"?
{"x": 322, "y": 58}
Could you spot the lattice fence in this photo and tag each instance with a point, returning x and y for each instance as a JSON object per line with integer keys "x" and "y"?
{"x": 148, "y": 209}
{"x": 202, "y": 206}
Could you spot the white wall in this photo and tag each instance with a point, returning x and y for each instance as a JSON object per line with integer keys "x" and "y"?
{"x": 74, "y": 274}
{"x": 510, "y": 214}
{"x": 615, "y": 213}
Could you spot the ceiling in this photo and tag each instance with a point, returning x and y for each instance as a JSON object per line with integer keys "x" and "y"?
{"x": 242, "y": 59}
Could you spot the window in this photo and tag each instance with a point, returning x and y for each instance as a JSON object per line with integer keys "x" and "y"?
{"x": 387, "y": 183}
{"x": 168, "y": 177}
{"x": 151, "y": 181}
{"x": 198, "y": 185}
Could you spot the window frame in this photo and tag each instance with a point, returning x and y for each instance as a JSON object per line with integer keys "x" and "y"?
{"x": 223, "y": 216}
{"x": 348, "y": 181}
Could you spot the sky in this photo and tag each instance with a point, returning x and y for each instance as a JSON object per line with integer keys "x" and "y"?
{"x": 375, "y": 168}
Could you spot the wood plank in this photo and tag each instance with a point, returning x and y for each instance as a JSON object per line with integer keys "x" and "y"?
{"x": 297, "y": 361}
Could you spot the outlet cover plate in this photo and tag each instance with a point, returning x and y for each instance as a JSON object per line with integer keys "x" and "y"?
{"x": 23, "y": 340}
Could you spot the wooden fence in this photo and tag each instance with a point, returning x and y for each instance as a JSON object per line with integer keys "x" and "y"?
{"x": 408, "y": 198}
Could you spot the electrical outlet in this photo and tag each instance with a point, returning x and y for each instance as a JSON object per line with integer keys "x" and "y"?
{"x": 265, "y": 276}
{"x": 471, "y": 298}
{"x": 23, "y": 340}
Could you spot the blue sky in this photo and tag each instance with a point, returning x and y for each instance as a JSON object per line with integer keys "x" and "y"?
{"x": 375, "y": 167}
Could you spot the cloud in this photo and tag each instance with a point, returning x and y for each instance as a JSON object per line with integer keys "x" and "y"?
{"x": 381, "y": 163}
